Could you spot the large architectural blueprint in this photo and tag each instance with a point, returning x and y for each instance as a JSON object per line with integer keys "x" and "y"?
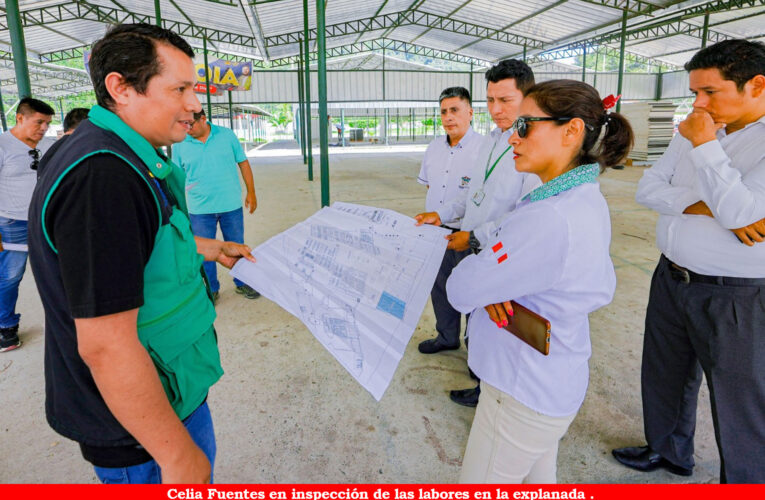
{"x": 358, "y": 277}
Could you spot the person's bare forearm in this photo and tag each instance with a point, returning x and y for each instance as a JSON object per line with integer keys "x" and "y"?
{"x": 127, "y": 380}
{"x": 208, "y": 248}
{"x": 246, "y": 170}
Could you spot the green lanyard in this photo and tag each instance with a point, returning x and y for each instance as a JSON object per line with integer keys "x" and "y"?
{"x": 488, "y": 171}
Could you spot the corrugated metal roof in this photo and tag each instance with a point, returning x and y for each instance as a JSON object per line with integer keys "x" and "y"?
{"x": 262, "y": 31}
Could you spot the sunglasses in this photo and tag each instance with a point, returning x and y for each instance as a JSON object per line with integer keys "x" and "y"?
{"x": 521, "y": 125}
{"x": 35, "y": 154}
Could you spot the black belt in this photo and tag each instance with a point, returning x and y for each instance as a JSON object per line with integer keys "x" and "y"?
{"x": 680, "y": 273}
{"x": 452, "y": 229}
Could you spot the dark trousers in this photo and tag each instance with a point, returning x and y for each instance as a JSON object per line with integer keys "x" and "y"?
{"x": 448, "y": 319}
{"x": 719, "y": 328}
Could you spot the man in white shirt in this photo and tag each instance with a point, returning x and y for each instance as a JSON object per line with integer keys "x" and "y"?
{"x": 707, "y": 301}
{"x": 495, "y": 188}
{"x": 20, "y": 151}
{"x": 445, "y": 171}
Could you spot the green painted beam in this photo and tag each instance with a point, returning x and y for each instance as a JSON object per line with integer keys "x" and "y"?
{"x": 321, "y": 47}
{"x": 621, "y": 61}
{"x": 449, "y": 16}
{"x": 2, "y": 111}
{"x": 112, "y": 15}
{"x": 19, "y": 48}
{"x": 515, "y": 23}
{"x": 207, "y": 79}
{"x": 635, "y": 7}
{"x": 408, "y": 18}
{"x": 651, "y": 29}
{"x": 307, "y": 83}
{"x": 301, "y": 105}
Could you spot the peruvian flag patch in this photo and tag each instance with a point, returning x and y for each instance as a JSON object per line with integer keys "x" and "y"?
{"x": 496, "y": 248}
{"x": 502, "y": 258}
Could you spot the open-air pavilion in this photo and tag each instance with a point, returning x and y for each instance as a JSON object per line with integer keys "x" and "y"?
{"x": 286, "y": 411}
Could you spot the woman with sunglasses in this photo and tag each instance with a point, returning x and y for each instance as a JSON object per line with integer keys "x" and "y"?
{"x": 550, "y": 255}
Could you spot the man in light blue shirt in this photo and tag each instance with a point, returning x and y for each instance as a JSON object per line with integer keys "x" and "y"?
{"x": 210, "y": 156}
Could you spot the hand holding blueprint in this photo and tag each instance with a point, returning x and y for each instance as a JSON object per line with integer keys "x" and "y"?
{"x": 358, "y": 277}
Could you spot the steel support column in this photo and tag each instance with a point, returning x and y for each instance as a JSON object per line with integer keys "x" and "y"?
{"x": 584, "y": 63}
{"x": 230, "y": 112}
{"x": 659, "y": 84}
{"x": 321, "y": 49}
{"x": 207, "y": 79}
{"x": 158, "y": 13}
{"x": 470, "y": 84}
{"x": 383, "y": 73}
{"x": 307, "y": 83}
{"x": 2, "y": 111}
{"x": 61, "y": 110}
{"x": 19, "y": 48}
{"x": 705, "y": 31}
{"x": 524, "y": 52}
{"x": 622, "y": 43}
{"x": 301, "y": 105}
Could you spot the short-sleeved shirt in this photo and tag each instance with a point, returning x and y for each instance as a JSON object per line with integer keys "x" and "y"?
{"x": 212, "y": 171}
{"x": 17, "y": 179}
{"x": 446, "y": 169}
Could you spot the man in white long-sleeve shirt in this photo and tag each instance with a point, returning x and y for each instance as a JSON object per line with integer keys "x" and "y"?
{"x": 495, "y": 188}
{"x": 446, "y": 169}
{"x": 707, "y": 299}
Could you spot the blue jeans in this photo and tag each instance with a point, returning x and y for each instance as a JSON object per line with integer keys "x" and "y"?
{"x": 12, "y": 267}
{"x": 206, "y": 226}
{"x": 200, "y": 426}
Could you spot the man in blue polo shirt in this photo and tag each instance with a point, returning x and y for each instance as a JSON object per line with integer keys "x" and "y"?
{"x": 210, "y": 155}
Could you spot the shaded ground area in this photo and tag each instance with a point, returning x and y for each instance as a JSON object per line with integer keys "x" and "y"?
{"x": 286, "y": 411}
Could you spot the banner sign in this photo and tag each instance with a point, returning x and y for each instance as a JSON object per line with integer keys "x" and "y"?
{"x": 225, "y": 75}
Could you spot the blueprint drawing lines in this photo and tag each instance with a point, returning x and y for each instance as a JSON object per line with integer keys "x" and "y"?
{"x": 358, "y": 277}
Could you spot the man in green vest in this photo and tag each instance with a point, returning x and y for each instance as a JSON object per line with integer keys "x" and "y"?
{"x": 130, "y": 348}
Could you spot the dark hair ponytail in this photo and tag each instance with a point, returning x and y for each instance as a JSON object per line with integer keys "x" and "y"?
{"x": 576, "y": 99}
{"x": 617, "y": 141}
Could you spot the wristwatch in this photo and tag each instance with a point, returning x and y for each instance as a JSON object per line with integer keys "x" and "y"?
{"x": 473, "y": 242}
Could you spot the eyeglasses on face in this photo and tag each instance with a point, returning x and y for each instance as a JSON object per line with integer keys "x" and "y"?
{"x": 35, "y": 155}
{"x": 521, "y": 125}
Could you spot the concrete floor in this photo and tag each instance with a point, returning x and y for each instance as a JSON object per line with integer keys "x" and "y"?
{"x": 286, "y": 411}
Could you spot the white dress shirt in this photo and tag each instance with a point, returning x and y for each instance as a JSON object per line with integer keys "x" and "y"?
{"x": 502, "y": 190}
{"x": 446, "y": 169}
{"x": 552, "y": 257}
{"x": 727, "y": 174}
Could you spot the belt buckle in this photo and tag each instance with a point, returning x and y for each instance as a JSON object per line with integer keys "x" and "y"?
{"x": 682, "y": 273}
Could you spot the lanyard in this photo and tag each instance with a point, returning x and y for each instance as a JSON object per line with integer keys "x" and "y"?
{"x": 488, "y": 171}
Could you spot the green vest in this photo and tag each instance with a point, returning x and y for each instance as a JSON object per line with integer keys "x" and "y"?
{"x": 175, "y": 324}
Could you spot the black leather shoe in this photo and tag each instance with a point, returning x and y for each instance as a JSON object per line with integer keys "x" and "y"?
{"x": 435, "y": 345}
{"x": 466, "y": 397}
{"x": 644, "y": 459}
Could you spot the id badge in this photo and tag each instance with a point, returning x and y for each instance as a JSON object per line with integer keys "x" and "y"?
{"x": 478, "y": 197}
